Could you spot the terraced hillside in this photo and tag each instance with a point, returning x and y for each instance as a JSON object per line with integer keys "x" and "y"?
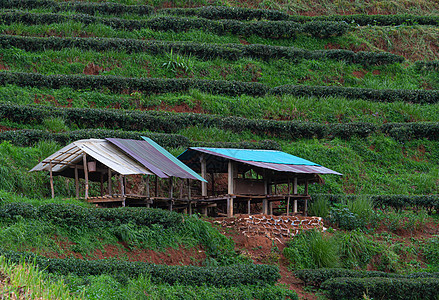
{"x": 352, "y": 87}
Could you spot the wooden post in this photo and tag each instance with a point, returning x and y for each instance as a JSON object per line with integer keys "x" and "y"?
{"x": 213, "y": 183}
{"x": 156, "y": 186}
{"x": 110, "y": 192}
{"x": 270, "y": 207}
{"x": 181, "y": 188}
{"x": 204, "y": 175}
{"x": 84, "y": 160}
{"x": 102, "y": 184}
{"x": 122, "y": 187}
{"x": 76, "y": 181}
{"x": 295, "y": 193}
{"x": 51, "y": 180}
{"x": 147, "y": 187}
{"x": 171, "y": 187}
{"x": 230, "y": 177}
{"x": 289, "y": 197}
{"x": 248, "y": 206}
{"x": 229, "y": 206}
{"x": 189, "y": 196}
{"x": 306, "y": 187}
{"x": 264, "y": 206}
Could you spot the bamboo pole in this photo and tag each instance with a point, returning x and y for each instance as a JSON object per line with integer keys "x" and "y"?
{"x": 51, "y": 180}
{"x": 110, "y": 192}
{"x": 84, "y": 160}
{"x": 76, "y": 181}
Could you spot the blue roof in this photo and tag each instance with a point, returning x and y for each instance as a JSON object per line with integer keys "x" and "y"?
{"x": 266, "y": 156}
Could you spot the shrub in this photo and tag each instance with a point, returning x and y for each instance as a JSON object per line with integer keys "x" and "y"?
{"x": 312, "y": 249}
{"x": 381, "y": 288}
{"x": 248, "y": 274}
{"x": 319, "y": 207}
{"x": 341, "y": 215}
{"x": 199, "y": 50}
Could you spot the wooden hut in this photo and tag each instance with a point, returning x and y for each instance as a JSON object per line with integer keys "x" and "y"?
{"x": 110, "y": 161}
{"x": 253, "y": 176}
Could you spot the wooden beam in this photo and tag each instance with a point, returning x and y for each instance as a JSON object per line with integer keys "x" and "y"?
{"x": 84, "y": 160}
{"x": 248, "y": 206}
{"x": 76, "y": 181}
{"x": 230, "y": 177}
{"x": 264, "y": 206}
{"x": 51, "y": 180}
{"x": 204, "y": 175}
{"x": 110, "y": 191}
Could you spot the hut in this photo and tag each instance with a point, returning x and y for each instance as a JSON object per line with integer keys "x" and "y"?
{"x": 110, "y": 161}
{"x": 260, "y": 177}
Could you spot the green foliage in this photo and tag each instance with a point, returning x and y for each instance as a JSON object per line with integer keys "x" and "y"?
{"x": 91, "y": 8}
{"x": 55, "y": 124}
{"x": 223, "y": 276}
{"x": 356, "y": 249}
{"x": 319, "y": 207}
{"x": 169, "y": 122}
{"x": 413, "y": 96}
{"x": 316, "y": 277}
{"x": 381, "y": 288}
{"x": 105, "y": 286}
{"x": 430, "y": 250}
{"x": 344, "y": 218}
{"x": 199, "y": 50}
{"x": 311, "y": 249}
{"x": 178, "y": 63}
{"x": 266, "y": 29}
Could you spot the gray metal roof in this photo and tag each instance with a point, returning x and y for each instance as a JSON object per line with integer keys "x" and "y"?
{"x": 101, "y": 150}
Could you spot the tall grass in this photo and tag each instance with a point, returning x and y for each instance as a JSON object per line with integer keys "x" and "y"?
{"x": 26, "y": 281}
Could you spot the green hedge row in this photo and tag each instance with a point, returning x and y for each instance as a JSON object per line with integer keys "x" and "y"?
{"x": 91, "y": 8}
{"x": 73, "y": 215}
{"x": 266, "y": 29}
{"x": 169, "y": 122}
{"x": 223, "y": 87}
{"x": 147, "y": 85}
{"x": 382, "y": 288}
{"x": 316, "y": 277}
{"x": 413, "y": 96}
{"x": 423, "y": 66}
{"x": 239, "y": 13}
{"x": 217, "y": 13}
{"x": 428, "y": 202}
{"x": 223, "y": 276}
{"x": 29, "y": 137}
{"x": 200, "y": 50}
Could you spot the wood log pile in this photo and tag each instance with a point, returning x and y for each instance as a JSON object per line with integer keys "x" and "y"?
{"x": 272, "y": 226}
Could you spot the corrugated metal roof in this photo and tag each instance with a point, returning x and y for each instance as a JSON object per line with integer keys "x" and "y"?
{"x": 155, "y": 158}
{"x": 267, "y": 159}
{"x": 265, "y": 156}
{"x": 101, "y": 150}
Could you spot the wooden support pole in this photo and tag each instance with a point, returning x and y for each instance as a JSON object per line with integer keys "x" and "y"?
{"x": 110, "y": 192}
{"x": 181, "y": 188}
{"x": 264, "y": 206}
{"x": 171, "y": 187}
{"x": 147, "y": 187}
{"x": 230, "y": 177}
{"x": 204, "y": 175}
{"x": 270, "y": 207}
{"x": 156, "y": 186}
{"x": 289, "y": 197}
{"x": 189, "y": 196}
{"x": 84, "y": 160}
{"x": 212, "y": 178}
{"x": 305, "y": 209}
{"x": 52, "y": 189}
{"x": 248, "y": 206}
{"x": 76, "y": 182}
{"x": 295, "y": 193}
{"x": 229, "y": 206}
{"x": 122, "y": 188}
{"x": 102, "y": 183}
{"x": 306, "y": 187}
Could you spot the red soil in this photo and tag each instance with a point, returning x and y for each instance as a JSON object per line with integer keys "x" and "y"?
{"x": 92, "y": 69}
